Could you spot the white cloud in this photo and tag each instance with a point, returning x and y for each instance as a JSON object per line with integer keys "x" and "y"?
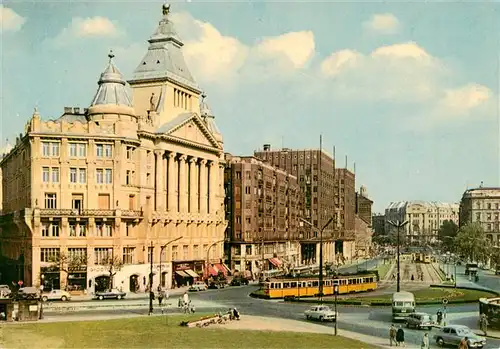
{"x": 82, "y": 28}
{"x": 385, "y": 23}
{"x": 339, "y": 60}
{"x": 217, "y": 58}
{"x": 466, "y": 97}
{"x": 10, "y": 20}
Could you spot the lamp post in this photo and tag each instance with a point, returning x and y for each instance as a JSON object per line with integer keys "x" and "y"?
{"x": 320, "y": 277}
{"x": 336, "y": 291}
{"x": 398, "y": 225}
{"x": 40, "y": 316}
{"x": 208, "y": 254}
{"x": 151, "y": 279}
{"x": 298, "y": 284}
{"x": 161, "y": 253}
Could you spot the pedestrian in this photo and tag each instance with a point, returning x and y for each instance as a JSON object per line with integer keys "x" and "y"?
{"x": 483, "y": 324}
{"x": 185, "y": 298}
{"x": 464, "y": 343}
{"x": 425, "y": 341}
{"x": 400, "y": 336}
{"x": 160, "y": 299}
{"x": 180, "y": 303}
{"x": 392, "y": 335}
{"x": 439, "y": 316}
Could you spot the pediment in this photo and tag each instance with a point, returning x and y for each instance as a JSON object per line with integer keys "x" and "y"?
{"x": 192, "y": 129}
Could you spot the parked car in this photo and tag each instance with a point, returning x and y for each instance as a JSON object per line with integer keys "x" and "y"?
{"x": 453, "y": 334}
{"x": 321, "y": 313}
{"x": 56, "y": 295}
{"x": 5, "y": 291}
{"x": 216, "y": 285}
{"x": 198, "y": 286}
{"x": 28, "y": 293}
{"x": 110, "y": 294}
{"x": 238, "y": 281}
{"x": 419, "y": 320}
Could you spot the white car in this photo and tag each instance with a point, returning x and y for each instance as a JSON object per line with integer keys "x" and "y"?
{"x": 321, "y": 313}
{"x": 56, "y": 295}
{"x": 198, "y": 286}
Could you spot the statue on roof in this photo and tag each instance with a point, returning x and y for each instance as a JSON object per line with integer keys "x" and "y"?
{"x": 166, "y": 9}
{"x": 153, "y": 102}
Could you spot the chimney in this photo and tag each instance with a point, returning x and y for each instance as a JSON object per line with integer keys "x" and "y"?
{"x": 267, "y": 147}
{"x": 68, "y": 110}
{"x": 76, "y": 110}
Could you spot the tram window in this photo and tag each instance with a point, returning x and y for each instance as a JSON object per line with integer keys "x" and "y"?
{"x": 309, "y": 284}
{"x": 294, "y": 284}
{"x": 328, "y": 283}
{"x": 272, "y": 284}
{"x": 350, "y": 281}
{"x": 315, "y": 283}
{"x": 286, "y": 285}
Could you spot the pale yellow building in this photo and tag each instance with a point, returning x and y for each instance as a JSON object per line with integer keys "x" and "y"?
{"x": 143, "y": 165}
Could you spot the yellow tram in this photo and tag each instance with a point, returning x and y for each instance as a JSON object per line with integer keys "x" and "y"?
{"x": 309, "y": 286}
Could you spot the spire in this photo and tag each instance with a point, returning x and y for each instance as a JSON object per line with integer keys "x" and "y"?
{"x": 204, "y": 108}
{"x": 112, "y": 87}
{"x": 164, "y": 59}
{"x": 209, "y": 118}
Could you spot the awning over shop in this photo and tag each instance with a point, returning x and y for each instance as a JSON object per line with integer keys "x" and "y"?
{"x": 213, "y": 271}
{"x": 182, "y": 273}
{"x": 275, "y": 261}
{"x": 191, "y": 273}
{"x": 222, "y": 268}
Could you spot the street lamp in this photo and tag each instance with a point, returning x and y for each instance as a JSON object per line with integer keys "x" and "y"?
{"x": 320, "y": 252}
{"x": 398, "y": 225}
{"x": 151, "y": 279}
{"x": 208, "y": 254}
{"x": 40, "y": 316}
{"x": 161, "y": 253}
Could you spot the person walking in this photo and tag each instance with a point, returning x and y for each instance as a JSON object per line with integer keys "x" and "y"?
{"x": 392, "y": 335}
{"x": 425, "y": 341}
{"x": 185, "y": 298}
{"x": 439, "y": 316}
{"x": 160, "y": 299}
{"x": 400, "y": 337}
{"x": 483, "y": 324}
{"x": 464, "y": 343}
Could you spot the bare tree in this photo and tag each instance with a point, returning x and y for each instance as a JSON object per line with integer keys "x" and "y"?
{"x": 68, "y": 263}
{"x": 114, "y": 264}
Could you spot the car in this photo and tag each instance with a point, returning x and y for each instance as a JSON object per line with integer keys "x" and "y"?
{"x": 5, "y": 291}
{"x": 56, "y": 295}
{"x": 28, "y": 293}
{"x": 238, "y": 281}
{"x": 198, "y": 286}
{"x": 321, "y": 313}
{"x": 110, "y": 294}
{"x": 419, "y": 320}
{"x": 453, "y": 334}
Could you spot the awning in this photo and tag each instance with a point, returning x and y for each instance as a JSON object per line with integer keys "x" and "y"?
{"x": 191, "y": 273}
{"x": 181, "y": 273}
{"x": 275, "y": 261}
{"x": 212, "y": 271}
{"x": 221, "y": 267}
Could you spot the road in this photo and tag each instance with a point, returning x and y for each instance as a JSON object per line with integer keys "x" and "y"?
{"x": 487, "y": 278}
{"x": 369, "y": 321}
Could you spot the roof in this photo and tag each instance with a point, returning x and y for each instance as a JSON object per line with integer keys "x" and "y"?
{"x": 174, "y": 123}
{"x": 112, "y": 87}
{"x": 164, "y": 58}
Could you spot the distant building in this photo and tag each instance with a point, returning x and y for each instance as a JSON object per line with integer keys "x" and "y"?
{"x": 263, "y": 206}
{"x": 424, "y": 218}
{"x": 482, "y": 205}
{"x": 378, "y": 224}
{"x": 345, "y": 200}
{"x": 363, "y": 221}
{"x": 316, "y": 173}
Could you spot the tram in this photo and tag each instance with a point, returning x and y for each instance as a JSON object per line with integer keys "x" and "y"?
{"x": 308, "y": 286}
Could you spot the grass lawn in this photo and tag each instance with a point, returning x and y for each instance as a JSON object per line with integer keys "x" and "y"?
{"x": 383, "y": 269}
{"x": 158, "y": 332}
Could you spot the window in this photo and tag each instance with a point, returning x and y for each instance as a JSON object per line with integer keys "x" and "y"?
{"x": 50, "y": 200}
{"x": 45, "y": 174}
{"x": 102, "y": 255}
{"x": 174, "y": 253}
{"x": 109, "y": 176}
{"x": 103, "y": 230}
{"x": 73, "y": 150}
{"x": 238, "y": 220}
{"x": 49, "y": 254}
{"x": 55, "y": 174}
{"x": 83, "y": 175}
{"x": 72, "y": 175}
{"x": 128, "y": 255}
{"x": 82, "y": 230}
{"x": 99, "y": 176}
{"x": 248, "y": 220}
{"x": 72, "y": 229}
{"x": 248, "y": 190}
{"x": 50, "y": 149}
{"x": 108, "y": 150}
{"x": 185, "y": 252}
{"x": 77, "y": 230}
{"x": 130, "y": 153}
{"x": 78, "y": 253}
{"x": 82, "y": 150}
{"x": 248, "y": 175}
{"x": 54, "y": 229}
{"x": 45, "y": 229}
{"x": 238, "y": 175}
{"x": 128, "y": 229}
{"x": 99, "y": 150}
{"x": 127, "y": 177}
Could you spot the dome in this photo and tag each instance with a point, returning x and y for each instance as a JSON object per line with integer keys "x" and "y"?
{"x": 112, "y": 95}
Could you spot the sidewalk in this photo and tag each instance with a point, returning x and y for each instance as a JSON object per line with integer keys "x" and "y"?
{"x": 132, "y": 295}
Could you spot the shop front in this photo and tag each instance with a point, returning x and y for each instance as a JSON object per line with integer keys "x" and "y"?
{"x": 186, "y": 273}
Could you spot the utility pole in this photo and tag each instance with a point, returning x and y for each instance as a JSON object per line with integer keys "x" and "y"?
{"x": 151, "y": 280}
{"x": 398, "y": 225}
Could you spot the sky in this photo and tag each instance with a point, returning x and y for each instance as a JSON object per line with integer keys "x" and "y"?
{"x": 408, "y": 91}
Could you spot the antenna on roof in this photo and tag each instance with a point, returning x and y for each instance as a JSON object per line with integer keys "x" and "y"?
{"x": 481, "y": 185}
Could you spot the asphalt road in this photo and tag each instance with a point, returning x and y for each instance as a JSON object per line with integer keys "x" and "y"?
{"x": 365, "y": 320}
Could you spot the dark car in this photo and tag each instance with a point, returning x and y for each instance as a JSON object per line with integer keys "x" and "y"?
{"x": 110, "y": 294}
{"x": 238, "y": 281}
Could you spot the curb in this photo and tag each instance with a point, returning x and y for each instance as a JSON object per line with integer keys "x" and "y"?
{"x": 84, "y": 307}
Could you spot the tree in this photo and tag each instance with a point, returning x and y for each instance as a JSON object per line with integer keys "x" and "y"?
{"x": 68, "y": 263}
{"x": 113, "y": 264}
{"x": 448, "y": 229}
{"x": 471, "y": 242}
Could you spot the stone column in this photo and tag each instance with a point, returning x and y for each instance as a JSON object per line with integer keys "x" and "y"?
{"x": 183, "y": 194}
{"x": 172, "y": 183}
{"x": 212, "y": 187}
{"x": 159, "y": 173}
{"x": 203, "y": 186}
{"x": 193, "y": 185}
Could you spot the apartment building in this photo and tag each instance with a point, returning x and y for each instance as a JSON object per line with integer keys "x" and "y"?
{"x": 363, "y": 223}
{"x": 119, "y": 184}
{"x": 315, "y": 170}
{"x": 263, "y": 206}
{"x": 482, "y": 205}
{"x": 424, "y": 218}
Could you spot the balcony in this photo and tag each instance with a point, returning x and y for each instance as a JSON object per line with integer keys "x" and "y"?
{"x": 47, "y": 212}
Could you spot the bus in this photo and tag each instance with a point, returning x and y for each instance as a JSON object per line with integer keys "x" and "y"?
{"x": 403, "y": 304}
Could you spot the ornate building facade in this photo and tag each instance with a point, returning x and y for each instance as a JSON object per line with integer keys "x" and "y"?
{"x": 137, "y": 177}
